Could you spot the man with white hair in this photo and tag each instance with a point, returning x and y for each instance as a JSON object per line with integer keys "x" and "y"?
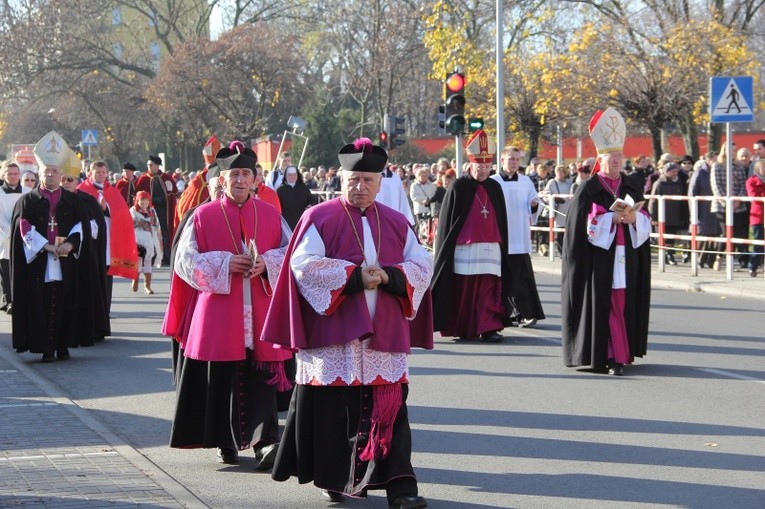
{"x": 352, "y": 299}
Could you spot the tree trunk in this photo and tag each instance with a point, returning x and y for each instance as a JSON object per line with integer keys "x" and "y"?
{"x": 690, "y": 137}
{"x": 533, "y": 137}
{"x": 656, "y": 142}
{"x": 714, "y": 137}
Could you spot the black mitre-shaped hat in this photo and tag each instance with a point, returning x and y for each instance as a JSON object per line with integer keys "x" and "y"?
{"x": 363, "y": 155}
{"x": 236, "y": 156}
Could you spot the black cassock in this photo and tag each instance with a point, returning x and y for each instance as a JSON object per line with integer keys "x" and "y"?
{"x": 454, "y": 211}
{"x": 42, "y": 316}
{"x": 100, "y": 311}
{"x": 587, "y": 277}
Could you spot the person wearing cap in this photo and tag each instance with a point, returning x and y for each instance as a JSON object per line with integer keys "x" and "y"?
{"x": 606, "y": 262}
{"x": 196, "y": 191}
{"x": 147, "y": 236}
{"x": 676, "y": 213}
{"x": 184, "y": 298}
{"x": 352, "y": 301}
{"x": 161, "y": 186}
{"x": 522, "y": 209}
{"x": 471, "y": 272}
{"x": 49, "y": 238}
{"x": 126, "y": 185}
{"x": 11, "y": 192}
{"x": 227, "y": 257}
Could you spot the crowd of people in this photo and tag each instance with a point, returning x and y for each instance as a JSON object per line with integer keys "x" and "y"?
{"x": 305, "y": 289}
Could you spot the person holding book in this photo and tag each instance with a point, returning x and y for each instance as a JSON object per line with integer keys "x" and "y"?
{"x": 606, "y": 283}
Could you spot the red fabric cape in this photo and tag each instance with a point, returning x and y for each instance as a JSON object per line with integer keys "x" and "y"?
{"x": 124, "y": 251}
{"x": 196, "y": 193}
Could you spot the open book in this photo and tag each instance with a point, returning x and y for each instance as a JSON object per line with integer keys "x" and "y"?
{"x": 626, "y": 204}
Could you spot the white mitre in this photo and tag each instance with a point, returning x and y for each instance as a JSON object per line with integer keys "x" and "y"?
{"x": 52, "y": 150}
{"x": 608, "y": 130}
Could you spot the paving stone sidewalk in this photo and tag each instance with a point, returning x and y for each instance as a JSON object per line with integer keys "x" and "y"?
{"x": 50, "y": 457}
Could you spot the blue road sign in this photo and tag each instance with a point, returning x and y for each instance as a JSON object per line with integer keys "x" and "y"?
{"x": 731, "y": 99}
{"x": 90, "y": 137}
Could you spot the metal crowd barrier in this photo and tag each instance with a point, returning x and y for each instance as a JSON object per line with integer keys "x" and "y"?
{"x": 324, "y": 195}
{"x": 661, "y": 236}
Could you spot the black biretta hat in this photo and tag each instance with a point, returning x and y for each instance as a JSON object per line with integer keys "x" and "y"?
{"x": 363, "y": 155}
{"x": 236, "y": 155}
{"x": 128, "y": 166}
{"x": 155, "y": 160}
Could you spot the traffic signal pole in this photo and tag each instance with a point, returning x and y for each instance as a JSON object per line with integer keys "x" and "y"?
{"x": 458, "y": 154}
{"x": 499, "y": 51}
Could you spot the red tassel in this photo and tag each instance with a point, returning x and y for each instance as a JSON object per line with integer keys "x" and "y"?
{"x": 279, "y": 377}
{"x": 386, "y": 403}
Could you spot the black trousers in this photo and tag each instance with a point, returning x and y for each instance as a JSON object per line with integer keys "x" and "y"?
{"x": 5, "y": 281}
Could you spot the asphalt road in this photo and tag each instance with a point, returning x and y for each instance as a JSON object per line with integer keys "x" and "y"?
{"x": 494, "y": 426}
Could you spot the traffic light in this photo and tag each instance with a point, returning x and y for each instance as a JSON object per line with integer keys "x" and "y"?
{"x": 397, "y": 129}
{"x": 454, "y": 107}
{"x": 441, "y": 120}
{"x": 383, "y": 139}
{"x": 475, "y": 124}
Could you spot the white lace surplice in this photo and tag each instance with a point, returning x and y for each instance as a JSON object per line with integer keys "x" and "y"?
{"x": 317, "y": 277}
{"x": 208, "y": 272}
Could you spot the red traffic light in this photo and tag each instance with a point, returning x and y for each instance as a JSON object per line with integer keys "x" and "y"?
{"x": 455, "y": 82}
{"x": 383, "y": 137}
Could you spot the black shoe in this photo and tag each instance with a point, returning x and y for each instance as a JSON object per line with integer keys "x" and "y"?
{"x": 492, "y": 337}
{"x": 48, "y": 357}
{"x": 228, "y": 455}
{"x": 463, "y": 339}
{"x": 753, "y": 272}
{"x": 404, "y": 502}
{"x": 9, "y": 310}
{"x": 266, "y": 456}
{"x": 670, "y": 259}
{"x": 686, "y": 257}
{"x": 333, "y": 496}
{"x": 616, "y": 370}
{"x": 3, "y": 307}
{"x": 62, "y": 355}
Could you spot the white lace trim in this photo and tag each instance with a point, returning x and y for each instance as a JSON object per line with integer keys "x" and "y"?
{"x": 419, "y": 277}
{"x": 274, "y": 259}
{"x": 211, "y": 272}
{"x": 317, "y": 279}
{"x": 352, "y": 363}
{"x": 249, "y": 334}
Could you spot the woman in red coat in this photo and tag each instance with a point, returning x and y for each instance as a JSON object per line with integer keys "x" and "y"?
{"x": 755, "y": 186}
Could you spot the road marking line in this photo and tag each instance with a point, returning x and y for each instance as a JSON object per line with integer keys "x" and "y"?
{"x": 27, "y": 404}
{"x": 732, "y": 375}
{"x": 58, "y": 456}
{"x": 8, "y": 371}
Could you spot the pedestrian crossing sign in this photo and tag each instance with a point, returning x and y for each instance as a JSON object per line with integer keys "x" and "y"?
{"x": 90, "y": 137}
{"x": 731, "y": 99}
